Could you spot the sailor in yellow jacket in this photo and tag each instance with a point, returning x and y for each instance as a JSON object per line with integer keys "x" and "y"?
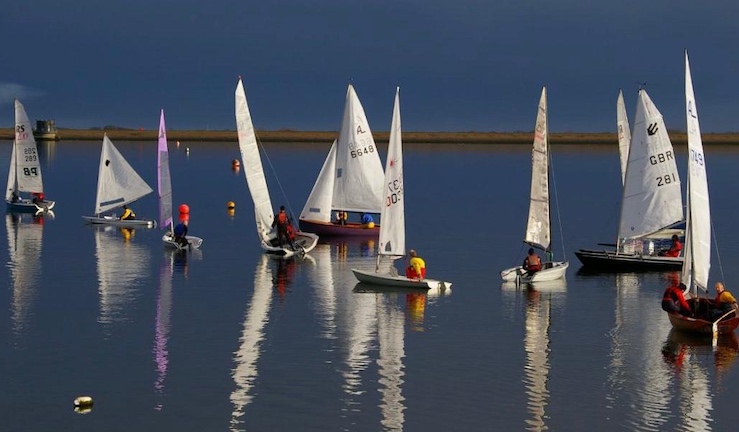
{"x": 417, "y": 266}
{"x": 128, "y": 214}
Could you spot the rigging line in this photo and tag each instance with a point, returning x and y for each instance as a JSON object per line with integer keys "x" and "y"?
{"x": 718, "y": 254}
{"x": 556, "y": 204}
{"x": 272, "y": 168}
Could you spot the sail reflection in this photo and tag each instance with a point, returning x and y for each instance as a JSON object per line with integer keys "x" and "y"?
{"x": 322, "y": 279}
{"x": 257, "y": 315}
{"x": 538, "y": 300}
{"x": 25, "y": 235}
{"x": 122, "y": 265}
{"x": 161, "y": 336}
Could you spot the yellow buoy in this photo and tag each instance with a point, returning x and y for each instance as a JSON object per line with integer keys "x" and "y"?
{"x": 231, "y": 205}
{"x": 83, "y": 404}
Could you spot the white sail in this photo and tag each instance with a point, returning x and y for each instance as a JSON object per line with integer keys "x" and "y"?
{"x": 652, "y": 198}
{"x": 253, "y": 165}
{"x": 392, "y": 229}
{"x": 164, "y": 180}
{"x": 118, "y": 182}
{"x": 698, "y": 226}
{"x": 358, "y": 183}
{"x": 318, "y": 207}
{"x": 11, "y": 176}
{"x": 624, "y": 134}
{"x": 26, "y": 161}
{"x": 538, "y": 225}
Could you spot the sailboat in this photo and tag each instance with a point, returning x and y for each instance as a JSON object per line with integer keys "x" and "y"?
{"x": 698, "y": 229}
{"x": 350, "y": 181}
{"x": 24, "y": 174}
{"x": 118, "y": 185}
{"x": 651, "y": 206}
{"x": 538, "y": 229}
{"x": 304, "y": 242}
{"x": 164, "y": 187}
{"x": 392, "y": 229}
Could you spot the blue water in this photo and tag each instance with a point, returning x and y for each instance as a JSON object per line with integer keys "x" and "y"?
{"x": 226, "y": 339}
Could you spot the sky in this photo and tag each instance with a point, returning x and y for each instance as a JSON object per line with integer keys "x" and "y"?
{"x": 463, "y": 65}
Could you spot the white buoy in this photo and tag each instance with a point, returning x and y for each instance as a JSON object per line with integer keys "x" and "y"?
{"x": 83, "y": 404}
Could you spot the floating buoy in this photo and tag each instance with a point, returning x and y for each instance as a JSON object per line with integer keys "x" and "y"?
{"x": 235, "y": 163}
{"x": 184, "y": 217}
{"x": 184, "y": 209}
{"x": 178, "y": 144}
{"x": 83, "y": 404}
{"x": 231, "y": 212}
{"x": 187, "y": 150}
{"x": 231, "y": 205}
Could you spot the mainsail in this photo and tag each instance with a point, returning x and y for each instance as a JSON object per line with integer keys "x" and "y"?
{"x": 118, "y": 182}
{"x": 538, "y": 226}
{"x": 392, "y": 229}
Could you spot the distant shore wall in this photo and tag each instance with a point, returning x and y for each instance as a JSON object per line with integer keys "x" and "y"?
{"x": 287, "y": 136}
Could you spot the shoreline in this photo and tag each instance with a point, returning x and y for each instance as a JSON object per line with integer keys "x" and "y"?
{"x": 326, "y": 137}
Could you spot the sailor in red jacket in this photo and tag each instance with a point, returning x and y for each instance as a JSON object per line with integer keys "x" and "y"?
{"x": 675, "y": 249}
{"x": 673, "y": 300}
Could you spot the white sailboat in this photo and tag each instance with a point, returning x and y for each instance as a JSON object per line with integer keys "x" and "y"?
{"x": 164, "y": 188}
{"x": 651, "y": 206}
{"x": 698, "y": 228}
{"x": 304, "y": 242}
{"x": 392, "y": 228}
{"x": 351, "y": 179}
{"x": 624, "y": 134}
{"x": 24, "y": 175}
{"x": 118, "y": 185}
{"x": 538, "y": 228}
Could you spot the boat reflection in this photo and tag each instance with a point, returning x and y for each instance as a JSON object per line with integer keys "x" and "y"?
{"x": 25, "y": 235}
{"x": 180, "y": 259}
{"x": 538, "y": 300}
{"x": 690, "y": 357}
{"x": 322, "y": 280}
{"x": 122, "y": 267}
{"x": 162, "y": 326}
{"x": 245, "y": 358}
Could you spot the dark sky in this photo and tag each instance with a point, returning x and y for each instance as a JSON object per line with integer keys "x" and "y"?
{"x": 464, "y": 65}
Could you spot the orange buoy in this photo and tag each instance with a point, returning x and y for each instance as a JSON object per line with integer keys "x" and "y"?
{"x": 231, "y": 205}
{"x": 184, "y": 209}
{"x": 184, "y": 217}
{"x": 235, "y": 163}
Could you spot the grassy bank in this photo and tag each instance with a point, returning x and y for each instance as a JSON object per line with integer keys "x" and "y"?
{"x": 677, "y": 138}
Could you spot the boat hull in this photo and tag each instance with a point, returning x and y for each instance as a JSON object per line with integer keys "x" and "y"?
{"x": 609, "y": 260}
{"x": 304, "y": 241}
{"x": 115, "y": 221}
{"x": 328, "y": 229}
{"x": 388, "y": 280}
{"x": 27, "y": 206}
{"x": 699, "y": 324}
{"x": 551, "y": 271}
{"x": 194, "y": 242}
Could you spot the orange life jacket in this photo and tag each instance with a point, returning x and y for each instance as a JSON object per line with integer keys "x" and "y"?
{"x": 534, "y": 263}
{"x": 282, "y": 218}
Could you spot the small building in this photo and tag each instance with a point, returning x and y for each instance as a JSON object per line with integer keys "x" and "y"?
{"x": 46, "y": 130}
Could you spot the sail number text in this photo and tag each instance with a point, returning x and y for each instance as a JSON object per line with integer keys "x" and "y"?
{"x": 30, "y": 171}
{"x": 661, "y": 158}
{"x": 666, "y": 179}
{"x": 696, "y": 157}
{"x": 395, "y": 192}
{"x": 20, "y": 132}
{"x": 29, "y": 154}
{"x": 357, "y": 150}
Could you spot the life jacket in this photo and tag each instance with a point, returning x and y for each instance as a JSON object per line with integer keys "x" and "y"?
{"x": 290, "y": 232}
{"x": 534, "y": 263}
{"x": 282, "y": 218}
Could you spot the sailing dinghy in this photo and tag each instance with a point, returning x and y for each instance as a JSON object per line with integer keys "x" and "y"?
{"x": 392, "y": 229}
{"x": 538, "y": 229}
{"x": 304, "y": 242}
{"x": 698, "y": 232}
{"x": 350, "y": 181}
{"x": 24, "y": 174}
{"x": 652, "y": 205}
{"x": 118, "y": 185}
{"x": 164, "y": 187}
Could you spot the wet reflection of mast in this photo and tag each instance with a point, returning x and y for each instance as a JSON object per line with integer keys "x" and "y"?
{"x": 391, "y": 338}
{"x": 24, "y": 249}
{"x": 323, "y": 283}
{"x": 251, "y": 338}
{"x": 164, "y": 310}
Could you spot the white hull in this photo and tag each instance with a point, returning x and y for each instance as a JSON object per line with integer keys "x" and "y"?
{"x": 304, "y": 242}
{"x": 195, "y": 242}
{"x": 115, "y": 221}
{"x": 388, "y": 280}
{"x": 556, "y": 271}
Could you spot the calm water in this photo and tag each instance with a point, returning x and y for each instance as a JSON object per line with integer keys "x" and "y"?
{"x": 226, "y": 339}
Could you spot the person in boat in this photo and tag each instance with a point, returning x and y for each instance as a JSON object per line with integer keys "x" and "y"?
{"x": 15, "y": 198}
{"x": 180, "y": 233}
{"x": 725, "y": 301}
{"x": 38, "y": 197}
{"x": 673, "y": 300}
{"x": 282, "y": 223}
{"x": 128, "y": 214}
{"x": 416, "y": 267}
{"x": 532, "y": 263}
{"x": 675, "y": 249}
{"x": 341, "y": 217}
{"x": 367, "y": 219}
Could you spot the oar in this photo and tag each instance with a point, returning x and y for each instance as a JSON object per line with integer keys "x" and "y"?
{"x": 714, "y": 327}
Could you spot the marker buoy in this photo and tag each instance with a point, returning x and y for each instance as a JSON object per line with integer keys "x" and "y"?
{"x": 231, "y": 212}
{"x": 184, "y": 209}
{"x": 83, "y": 404}
{"x": 235, "y": 163}
{"x": 231, "y": 205}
